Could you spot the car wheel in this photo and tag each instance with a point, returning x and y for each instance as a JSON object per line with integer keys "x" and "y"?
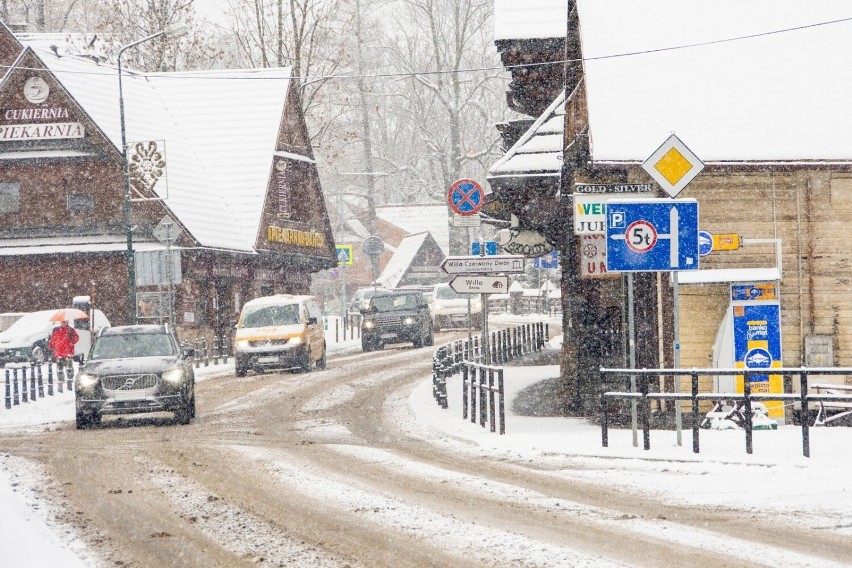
{"x": 323, "y": 361}
{"x": 38, "y": 355}
{"x": 87, "y": 419}
{"x": 306, "y": 361}
{"x": 430, "y": 339}
{"x": 418, "y": 342}
{"x": 184, "y": 414}
{"x": 366, "y": 346}
{"x": 240, "y": 367}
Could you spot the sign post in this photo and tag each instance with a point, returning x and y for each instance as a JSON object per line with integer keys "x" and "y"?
{"x": 465, "y": 197}
{"x": 167, "y": 232}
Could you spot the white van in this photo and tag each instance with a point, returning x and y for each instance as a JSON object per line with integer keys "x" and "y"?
{"x": 280, "y": 331}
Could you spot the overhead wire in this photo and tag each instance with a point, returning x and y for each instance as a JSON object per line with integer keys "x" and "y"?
{"x": 219, "y": 76}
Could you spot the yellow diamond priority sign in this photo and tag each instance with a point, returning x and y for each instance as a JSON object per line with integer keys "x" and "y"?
{"x": 673, "y": 165}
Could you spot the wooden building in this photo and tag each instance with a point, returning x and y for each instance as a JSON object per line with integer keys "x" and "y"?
{"x": 768, "y": 119}
{"x": 223, "y": 155}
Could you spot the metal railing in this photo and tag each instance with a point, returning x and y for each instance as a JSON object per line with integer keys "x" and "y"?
{"x": 214, "y": 352}
{"x": 644, "y": 397}
{"x": 27, "y": 384}
{"x": 481, "y": 380}
{"x": 458, "y": 357}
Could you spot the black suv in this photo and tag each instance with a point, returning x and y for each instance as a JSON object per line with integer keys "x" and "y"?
{"x": 135, "y": 369}
{"x": 393, "y": 316}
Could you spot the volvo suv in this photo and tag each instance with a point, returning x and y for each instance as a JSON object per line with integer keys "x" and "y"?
{"x": 396, "y": 316}
{"x": 135, "y": 369}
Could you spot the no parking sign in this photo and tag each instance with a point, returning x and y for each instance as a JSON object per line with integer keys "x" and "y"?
{"x": 465, "y": 197}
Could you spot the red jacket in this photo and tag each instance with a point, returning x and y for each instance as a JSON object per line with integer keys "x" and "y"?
{"x": 62, "y": 341}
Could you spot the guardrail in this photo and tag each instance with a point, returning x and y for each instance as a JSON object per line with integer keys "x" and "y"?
{"x": 205, "y": 354}
{"x": 643, "y": 397}
{"x": 17, "y": 379}
{"x": 504, "y": 345}
{"x": 481, "y": 379}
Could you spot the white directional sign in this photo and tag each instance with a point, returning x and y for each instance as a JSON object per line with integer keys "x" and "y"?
{"x": 480, "y": 284}
{"x": 513, "y": 264}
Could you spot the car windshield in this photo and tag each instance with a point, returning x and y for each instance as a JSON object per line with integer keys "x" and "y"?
{"x": 447, "y": 293}
{"x": 393, "y": 302}
{"x": 127, "y": 345}
{"x": 263, "y": 316}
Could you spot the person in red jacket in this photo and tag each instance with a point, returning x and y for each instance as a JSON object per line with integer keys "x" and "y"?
{"x": 61, "y": 343}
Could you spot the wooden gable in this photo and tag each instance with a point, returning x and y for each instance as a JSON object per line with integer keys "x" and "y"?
{"x": 294, "y": 218}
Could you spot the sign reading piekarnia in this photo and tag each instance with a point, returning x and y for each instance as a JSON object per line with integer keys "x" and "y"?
{"x": 52, "y": 131}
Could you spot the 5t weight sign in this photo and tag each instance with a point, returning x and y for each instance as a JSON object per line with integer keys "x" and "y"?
{"x": 640, "y": 236}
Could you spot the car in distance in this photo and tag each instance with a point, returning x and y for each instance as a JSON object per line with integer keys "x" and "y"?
{"x": 26, "y": 340}
{"x": 449, "y": 308}
{"x": 396, "y": 316}
{"x": 361, "y": 298}
{"x": 281, "y": 331}
{"x": 135, "y": 369}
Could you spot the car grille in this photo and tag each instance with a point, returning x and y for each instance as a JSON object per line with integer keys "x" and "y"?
{"x": 130, "y": 382}
{"x": 388, "y": 321}
{"x": 267, "y": 342}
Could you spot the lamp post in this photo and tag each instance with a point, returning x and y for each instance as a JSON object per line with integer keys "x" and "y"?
{"x": 128, "y": 226}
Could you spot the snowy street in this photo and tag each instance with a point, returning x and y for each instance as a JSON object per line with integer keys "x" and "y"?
{"x": 358, "y": 466}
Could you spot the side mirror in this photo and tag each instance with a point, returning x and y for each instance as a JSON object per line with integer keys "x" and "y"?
{"x": 312, "y": 321}
{"x": 189, "y": 352}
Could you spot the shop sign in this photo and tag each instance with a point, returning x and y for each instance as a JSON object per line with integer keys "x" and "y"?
{"x": 53, "y": 131}
{"x": 295, "y": 237}
{"x": 18, "y": 114}
{"x": 282, "y": 189}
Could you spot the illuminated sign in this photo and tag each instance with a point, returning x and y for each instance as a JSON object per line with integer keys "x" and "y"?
{"x": 294, "y": 237}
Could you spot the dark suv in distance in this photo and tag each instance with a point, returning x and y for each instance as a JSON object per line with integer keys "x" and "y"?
{"x": 396, "y": 316}
{"x": 135, "y": 369}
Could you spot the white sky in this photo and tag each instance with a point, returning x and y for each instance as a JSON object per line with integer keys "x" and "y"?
{"x": 808, "y": 492}
{"x": 211, "y": 10}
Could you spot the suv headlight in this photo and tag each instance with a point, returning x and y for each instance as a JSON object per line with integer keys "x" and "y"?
{"x": 173, "y": 376}
{"x": 242, "y": 344}
{"x": 409, "y": 321}
{"x": 369, "y": 324}
{"x": 86, "y": 381}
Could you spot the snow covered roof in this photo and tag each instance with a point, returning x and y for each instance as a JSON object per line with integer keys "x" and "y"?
{"x": 418, "y": 218}
{"x": 401, "y": 260}
{"x": 531, "y": 19}
{"x": 71, "y": 244}
{"x": 192, "y": 112}
{"x": 770, "y": 97}
{"x": 539, "y": 150}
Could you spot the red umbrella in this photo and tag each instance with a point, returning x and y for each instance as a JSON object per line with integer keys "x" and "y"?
{"x": 68, "y": 314}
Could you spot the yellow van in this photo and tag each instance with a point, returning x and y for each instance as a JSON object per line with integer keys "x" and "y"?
{"x": 281, "y": 331}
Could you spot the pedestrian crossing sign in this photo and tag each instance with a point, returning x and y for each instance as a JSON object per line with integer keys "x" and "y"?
{"x": 344, "y": 255}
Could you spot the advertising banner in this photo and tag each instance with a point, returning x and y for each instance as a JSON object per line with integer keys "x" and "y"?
{"x": 757, "y": 344}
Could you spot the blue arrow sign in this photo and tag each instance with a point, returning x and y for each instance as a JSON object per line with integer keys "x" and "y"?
{"x": 490, "y": 248}
{"x": 652, "y": 235}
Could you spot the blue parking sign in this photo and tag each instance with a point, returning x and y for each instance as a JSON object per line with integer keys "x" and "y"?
{"x": 651, "y": 235}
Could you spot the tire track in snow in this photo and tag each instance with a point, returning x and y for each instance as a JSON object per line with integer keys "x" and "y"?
{"x": 232, "y": 528}
{"x": 470, "y": 541}
{"x": 659, "y": 529}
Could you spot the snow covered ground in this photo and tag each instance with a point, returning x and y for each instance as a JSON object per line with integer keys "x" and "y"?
{"x": 775, "y": 480}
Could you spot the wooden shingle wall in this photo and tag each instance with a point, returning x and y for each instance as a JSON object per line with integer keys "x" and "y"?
{"x": 810, "y": 211}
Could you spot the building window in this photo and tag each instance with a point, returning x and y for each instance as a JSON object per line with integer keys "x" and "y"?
{"x": 10, "y": 197}
{"x": 81, "y": 203}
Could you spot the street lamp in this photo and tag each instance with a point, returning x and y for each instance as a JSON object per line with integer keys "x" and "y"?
{"x": 128, "y": 227}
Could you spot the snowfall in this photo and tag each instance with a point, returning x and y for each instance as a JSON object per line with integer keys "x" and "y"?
{"x": 779, "y": 480}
